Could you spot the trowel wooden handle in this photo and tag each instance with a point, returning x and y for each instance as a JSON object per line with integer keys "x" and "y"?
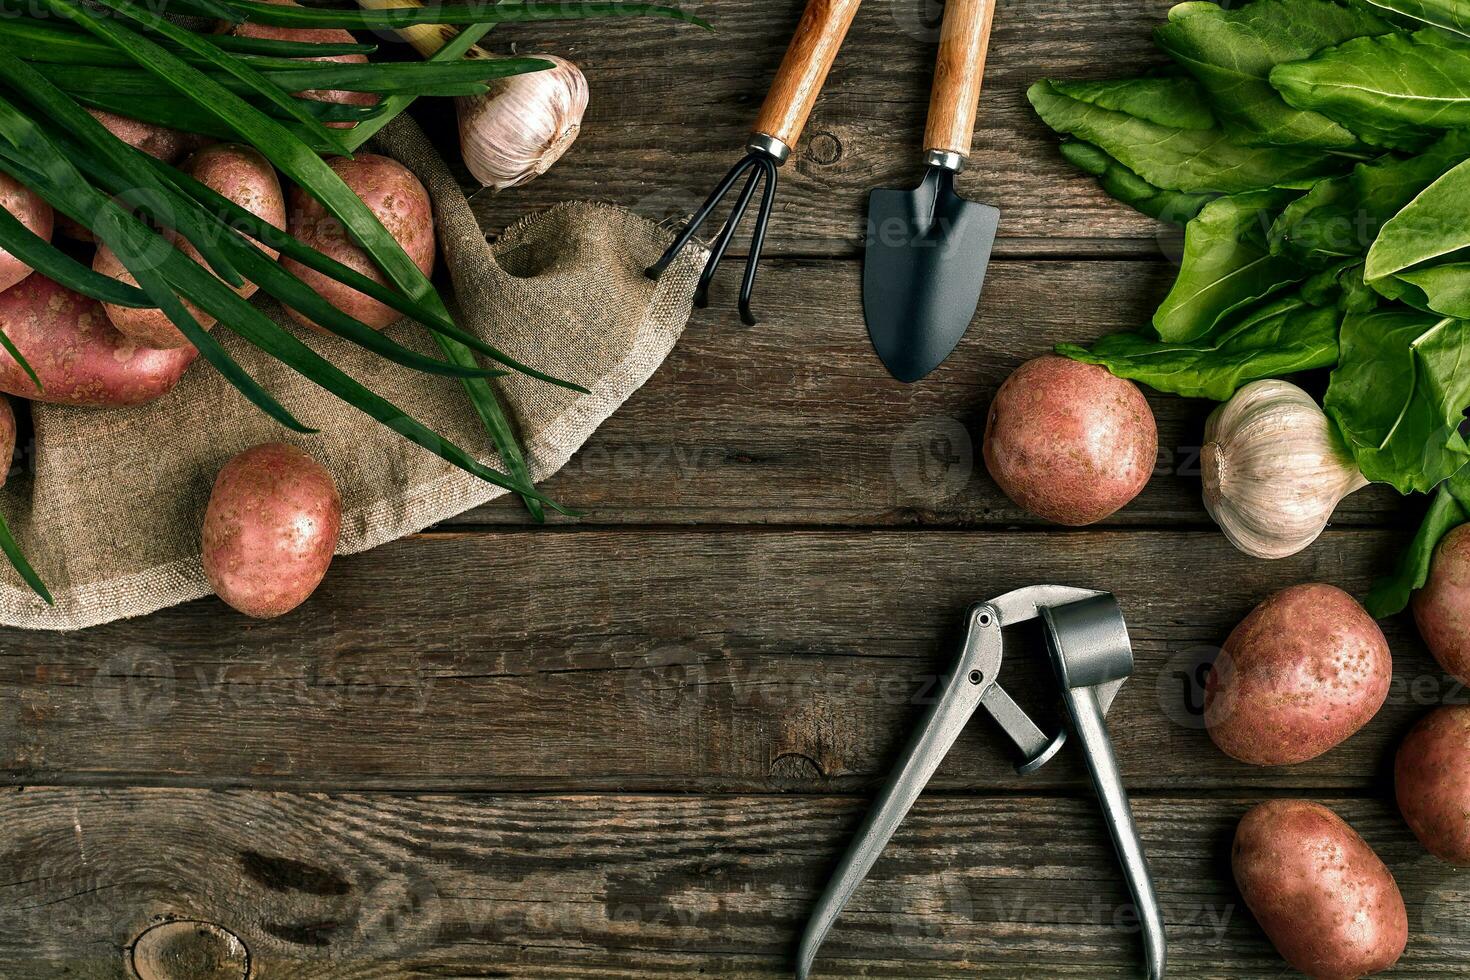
{"x": 955, "y": 99}
{"x": 804, "y": 70}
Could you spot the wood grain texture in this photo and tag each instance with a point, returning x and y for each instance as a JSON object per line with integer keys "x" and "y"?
{"x": 367, "y": 886}
{"x": 803, "y": 72}
{"x": 680, "y": 660}
{"x": 797, "y": 423}
{"x": 958, "y": 75}
{"x": 671, "y": 107}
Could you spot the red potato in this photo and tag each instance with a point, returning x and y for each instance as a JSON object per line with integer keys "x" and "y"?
{"x": 312, "y": 35}
{"x": 79, "y": 357}
{"x": 1299, "y": 676}
{"x": 1069, "y": 442}
{"x": 1442, "y": 607}
{"x": 1432, "y": 782}
{"x": 400, "y": 202}
{"x": 27, "y": 207}
{"x": 1324, "y": 898}
{"x": 159, "y": 142}
{"x": 270, "y": 529}
{"x": 7, "y": 439}
{"x": 236, "y": 172}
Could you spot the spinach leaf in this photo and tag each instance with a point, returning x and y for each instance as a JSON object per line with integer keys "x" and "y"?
{"x": 1452, "y": 15}
{"x": 1173, "y": 101}
{"x": 1281, "y": 337}
{"x": 1399, "y": 396}
{"x": 1232, "y": 51}
{"x": 1227, "y": 264}
{"x": 1126, "y": 186}
{"x": 1442, "y": 288}
{"x": 1341, "y": 216}
{"x": 1196, "y": 161}
{"x": 1449, "y": 509}
{"x": 1342, "y": 286}
{"x": 1395, "y": 84}
{"x": 1432, "y": 226}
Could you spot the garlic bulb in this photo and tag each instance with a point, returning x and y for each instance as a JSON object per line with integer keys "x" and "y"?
{"x": 1274, "y": 469}
{"x": 523, "y": 125}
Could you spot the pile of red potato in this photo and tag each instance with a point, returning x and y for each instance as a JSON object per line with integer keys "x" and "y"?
{"x": 274, "y": 516}
{"x": 1300, "y": 675}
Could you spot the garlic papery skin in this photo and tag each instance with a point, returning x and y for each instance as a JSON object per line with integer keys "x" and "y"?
{"x": 523, "y": 125}
{"x": 1274, "y": 469}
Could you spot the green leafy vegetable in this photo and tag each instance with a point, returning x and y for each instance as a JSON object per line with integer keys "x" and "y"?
{"x": 1282, "y": 337}
{"x": 1340, "y": 217}
{"x": 1452, "y": 15}
{"x": 1400, "y": 84}
{"x": 1442, "y": 288}
{"x": 1341, "y": 286}
{"x": 1169, "y": 100}
{"x": 1227, "y": 265}
{"x": 1399, "y": 396}
{"x": 1449, "y": 509}
{"x": 1431, "y": 227}
{"x": 1192, "y": 160}
{"x": 1232, "y": 51}
{"x": 1126, "y": 186}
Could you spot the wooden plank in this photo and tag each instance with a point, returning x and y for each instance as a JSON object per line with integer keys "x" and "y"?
{"x": 672, "y": 106}
{"x": 680, "y": 660}
{"x": 361, "y": 885}
{"x": 796, "y": 421}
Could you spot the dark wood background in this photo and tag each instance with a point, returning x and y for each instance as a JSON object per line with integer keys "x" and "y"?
{"x": 636, "y": 745}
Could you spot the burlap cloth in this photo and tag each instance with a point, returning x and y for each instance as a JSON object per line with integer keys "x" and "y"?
{"x": 110, "y": 507}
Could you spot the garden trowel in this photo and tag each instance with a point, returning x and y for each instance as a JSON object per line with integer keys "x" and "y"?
{"x": 927, "y": 249}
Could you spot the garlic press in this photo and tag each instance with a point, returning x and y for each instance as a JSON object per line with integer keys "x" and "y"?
{"x": 1087, "y": 643}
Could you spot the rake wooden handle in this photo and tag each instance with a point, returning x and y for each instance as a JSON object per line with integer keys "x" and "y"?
{"x": 955, "y": 99}
{"x": 804, "y": 70}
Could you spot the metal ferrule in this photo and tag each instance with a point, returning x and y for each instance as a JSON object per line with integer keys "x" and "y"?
{"x": 770, "y": 146}
{"x": 947, "y": 159}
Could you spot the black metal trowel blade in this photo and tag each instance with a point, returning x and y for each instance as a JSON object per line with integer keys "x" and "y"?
{"x": 927, "y": 252}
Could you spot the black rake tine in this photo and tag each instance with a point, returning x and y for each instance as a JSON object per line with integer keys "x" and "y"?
{"x": 758, "y": 240}
{"x": 700, "y": 217}
{"x": 727, "y": 234}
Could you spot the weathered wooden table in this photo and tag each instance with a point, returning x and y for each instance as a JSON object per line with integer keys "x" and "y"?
{"x": 636, "y": 745}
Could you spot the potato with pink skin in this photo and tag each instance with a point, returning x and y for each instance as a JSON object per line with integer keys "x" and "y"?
{"x": 311, "y": 35}
{"x": 7, "y": 439}
{"x": 238, "y": 173}
{"x": 1069, "y": 442}
{"x": 1442, "y": 607}
{"x": 159, "y": 142}
{"x": 398, "y": 200}
{"x": 1300, "y": 675}
{"x": 1324, "y": 898}
{"x": 27, "y": 207}
{"x": 1432, "y": 782}
{"x": 75, "y": 351}
{"x": 270, "y": 529}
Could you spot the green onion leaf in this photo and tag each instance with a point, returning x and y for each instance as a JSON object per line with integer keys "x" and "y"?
{"x": 460, "y": 14}
{"x": 135, "y": 44}
{"x": 19, "y": 563}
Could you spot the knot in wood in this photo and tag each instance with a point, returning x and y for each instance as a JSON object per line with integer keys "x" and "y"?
{"x": 188, "y": 950}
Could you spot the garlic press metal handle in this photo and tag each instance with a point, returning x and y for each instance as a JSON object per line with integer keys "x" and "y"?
{"x": 962, "y": 691}
{"x": 1087, "y": 642}
{"x": 1090, "y": 651}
